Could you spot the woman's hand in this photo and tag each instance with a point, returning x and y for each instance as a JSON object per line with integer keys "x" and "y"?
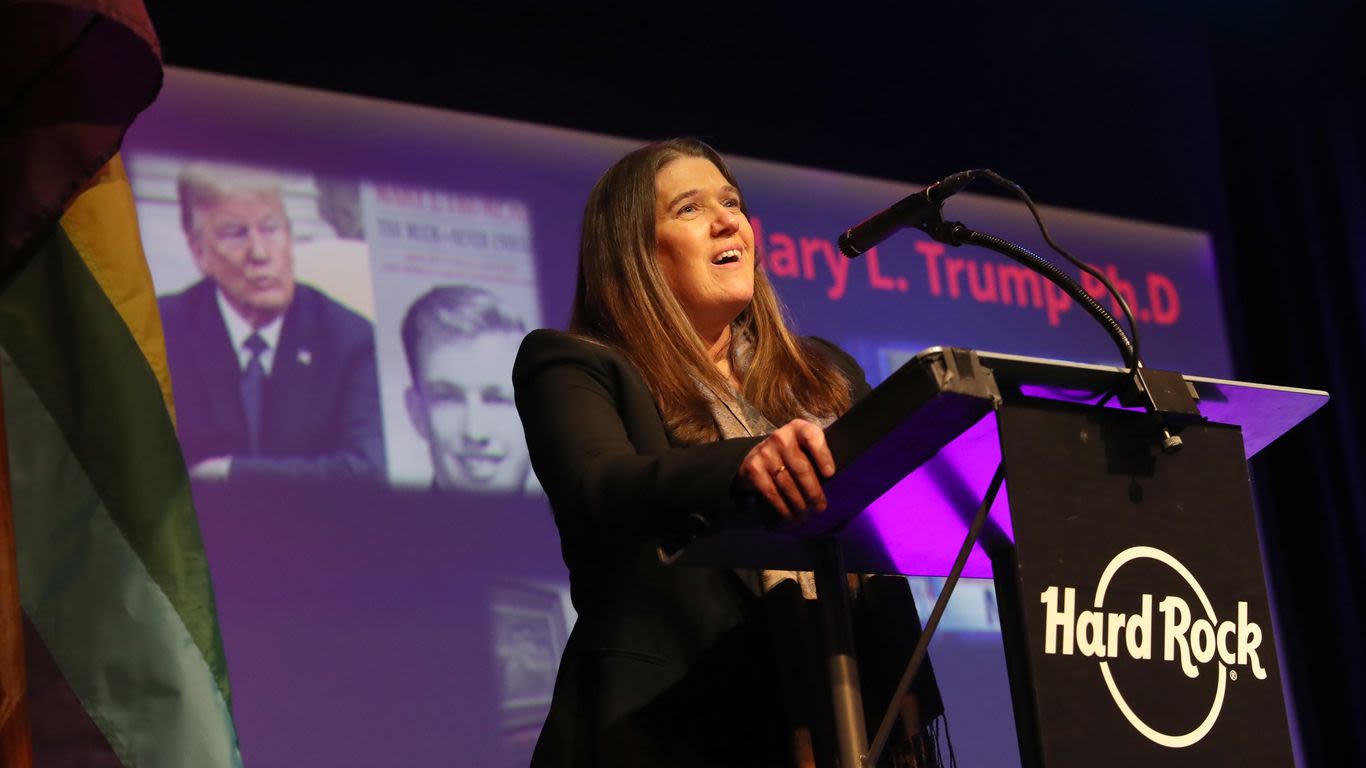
{"x": 787, "y": 467}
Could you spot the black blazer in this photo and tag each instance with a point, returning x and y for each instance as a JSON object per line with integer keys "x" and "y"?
{"x": 664, "y": 665}
{"x": 320, "y": 416}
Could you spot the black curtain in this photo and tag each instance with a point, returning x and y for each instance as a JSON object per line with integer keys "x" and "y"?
{"x": 1292, "y": 115}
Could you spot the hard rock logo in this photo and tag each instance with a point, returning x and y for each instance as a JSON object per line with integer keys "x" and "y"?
{"x": 1186, "y": 639}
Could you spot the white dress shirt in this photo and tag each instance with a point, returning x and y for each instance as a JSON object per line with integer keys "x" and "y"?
{"x": 239, "y": 330}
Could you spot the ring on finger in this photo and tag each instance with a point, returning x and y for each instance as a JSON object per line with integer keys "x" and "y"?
{"x": 781, "y": 469}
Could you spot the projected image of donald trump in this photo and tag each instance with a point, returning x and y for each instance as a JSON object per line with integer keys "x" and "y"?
{"x": 460, "y": 344}
{"x": 275, "y": 380}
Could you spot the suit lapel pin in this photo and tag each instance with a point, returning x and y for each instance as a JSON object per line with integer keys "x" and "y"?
{"x": 305, "y": 357}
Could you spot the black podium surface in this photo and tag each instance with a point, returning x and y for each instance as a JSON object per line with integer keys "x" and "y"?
{"x": 1129, "y": 576}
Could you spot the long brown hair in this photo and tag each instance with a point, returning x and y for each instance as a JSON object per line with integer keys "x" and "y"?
{"x": 622, "y": 300}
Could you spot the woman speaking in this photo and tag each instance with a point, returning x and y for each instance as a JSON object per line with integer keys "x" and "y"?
{"x": 678, "y": 393}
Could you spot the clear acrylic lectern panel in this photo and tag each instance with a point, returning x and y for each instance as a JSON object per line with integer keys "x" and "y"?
{"x": 917, "y": 456}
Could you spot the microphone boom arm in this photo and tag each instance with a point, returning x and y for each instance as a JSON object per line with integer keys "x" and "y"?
{"x": 955, "y": 233}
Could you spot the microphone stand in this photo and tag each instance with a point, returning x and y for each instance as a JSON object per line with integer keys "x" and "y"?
{"x": 1164, "y": 394}
{"x": 955, "y": 233}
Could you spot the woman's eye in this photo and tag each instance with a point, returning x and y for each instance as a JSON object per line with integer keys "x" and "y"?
{"x": 689, "y": 208}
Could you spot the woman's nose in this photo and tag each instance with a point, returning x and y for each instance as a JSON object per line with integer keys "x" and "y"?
{"x": 726, "y": 221}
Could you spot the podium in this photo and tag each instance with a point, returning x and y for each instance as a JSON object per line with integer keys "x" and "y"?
{"x": 1129, "y": 575}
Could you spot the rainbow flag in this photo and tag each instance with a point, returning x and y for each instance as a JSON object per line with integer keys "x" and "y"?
{"x": 109, "y": 646}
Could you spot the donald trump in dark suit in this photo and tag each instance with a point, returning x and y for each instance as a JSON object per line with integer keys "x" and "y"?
{"x": 273, "y": 379}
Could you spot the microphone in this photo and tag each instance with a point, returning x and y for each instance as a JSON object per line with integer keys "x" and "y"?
{"x": 911, "y": 211}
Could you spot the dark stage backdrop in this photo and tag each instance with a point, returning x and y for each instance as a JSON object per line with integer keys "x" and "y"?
{"x": 400, "y": 625}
